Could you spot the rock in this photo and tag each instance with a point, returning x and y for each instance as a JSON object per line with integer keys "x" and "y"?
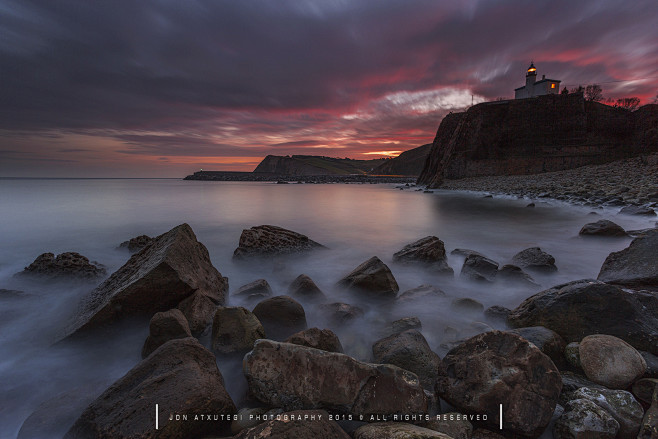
{"x": 535, "y": 259}
{"x": 12, "y": 294}
{"x": 467, "y": 305}
{"x": 137, "y": 243}
{"x": 649, "y": 428}
{"x": 638, "y": 210}
{"x": 610, "y": 361}
{"x": 322, "y": 339}
{"x": 165, "y": 326}
{"x": 281, "y": 316}
{"x": 515, "y": 275}
{"x": 530, "y": 205}
{"x": 465, "y": 252}
{"x": 401, "y": 325}
{"x": 272, "y": 240}
{"x": 572, "y": 382}
{"x": 501, "y": 368}
{"x": 181, "y": 376}
{"x": 372, "y": 279}
{"x": 497, "y": 314}
{"x": 572, "y": 355}
{"x": 482, "y": 433}
{"x": 582, "y": 419}
{"x": 636, "y": 265}
{"x": 422, "y": 292}
{"x": 602, "y": 228}
{"x": 454, "y": 425}
{"x": 652, "y": 364}
{"x": 249, "y": 417}
{"x": 301, "y": 424}
{"x": 340, "y": 313}
{"x": 479, "y": 268}
{"x": 409, "y": 350}
{"x": 199, "y": 309}
{"x": 297, "y": 377}
{"x": 396, "y": 430}
{"x": 429, "y": 251}
{"x": 644, "y": 388}
{"x": 68, "y": 265}
{"x": 235, "y": 330}
{"x": 174, "y": 267}
{"x": 620, "y": 405}
{"x": 303, "y": 287}
{"x": 585, "y": 307}
{"x": 254, "y": 291}
{"x": 549, "y": 342}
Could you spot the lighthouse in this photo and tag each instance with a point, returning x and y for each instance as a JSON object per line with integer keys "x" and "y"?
{"x": 534, "y": 88}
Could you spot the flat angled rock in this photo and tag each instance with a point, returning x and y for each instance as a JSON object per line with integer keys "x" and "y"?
{"x": 429, "y": 251}
{"x": 636, "y": 265}
{"x": 372, "y": 279}
{"x": 269, "y": 240}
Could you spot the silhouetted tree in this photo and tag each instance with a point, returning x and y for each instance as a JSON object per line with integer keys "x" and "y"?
{"x": 565, "y": 91}
{"x": 630, "y": 104}
{"x": 593, "y": 92}
{"x": 578, "y": 89}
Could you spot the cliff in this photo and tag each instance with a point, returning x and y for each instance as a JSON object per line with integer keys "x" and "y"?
{"x": 314, "y": 165}
{"x": 531, "y": 136}
{"x": 410, "y": 162}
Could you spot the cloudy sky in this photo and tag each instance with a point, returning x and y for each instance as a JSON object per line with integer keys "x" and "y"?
{"x": 164, "y": 87}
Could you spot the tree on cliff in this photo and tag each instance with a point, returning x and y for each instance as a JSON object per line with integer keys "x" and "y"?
{"x": 594, "y": 93}
{"x": 579, "y": 89}
{"x": 565, "y": 91}
{"x": 630, "y": 104}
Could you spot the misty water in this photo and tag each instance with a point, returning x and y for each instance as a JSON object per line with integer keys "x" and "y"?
{"x": 355, "y": 221}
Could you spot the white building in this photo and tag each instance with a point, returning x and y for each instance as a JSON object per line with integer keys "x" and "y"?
{"x": 534, "y": 88}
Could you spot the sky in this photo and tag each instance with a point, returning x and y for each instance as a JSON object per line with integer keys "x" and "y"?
{"x": 162, "y": 88}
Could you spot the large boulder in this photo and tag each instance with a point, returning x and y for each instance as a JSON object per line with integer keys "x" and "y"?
{"x": 479, "y": 268}
{"x": 303, "y": 288}
{"x": 586, "y": 307}
{"x": 582, "y": 419}
{"x": 254, "y": 291}
{"x": 396, "y": 430}
{"x": 235, "y": 330}
{"x": 174, "y": 267}
{"x": 323, "y": 339}
{"x": 272, "y": 240}
{"x": 181, "y": 376}
{"x": 602, "y": 228}
{"x": 610, "y": 361}
{"x": 281, "y": 316}
{"x": 410, "y": 351}
{"x": 371, "y": 279}
{"x": 549, "y": 342}
{"x": 165, "y": 326}
{"x": 429, "y": 251}
{"x": 137, "y": 243}
{"x": 199, "y": 309}
{"x": 68, "y": 265}
{"x": 501, "y": 368}
{"x": 535, "y": 259}
{"x": 619, "y": 404}
{"x": 297, "y": 377}
{"x": 636, "y": 265}
{"x": 300, "y": 424}
{"x": 515, "y": 275}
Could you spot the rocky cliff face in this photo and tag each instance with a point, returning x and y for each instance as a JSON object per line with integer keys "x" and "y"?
{"x": 530, "y": 136}
{"x": 410, "y": 162}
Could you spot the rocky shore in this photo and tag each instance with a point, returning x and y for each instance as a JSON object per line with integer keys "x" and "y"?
{"x": 579, "y": 359}
{"x": 631, "y": 182}
{"x": 287, "y": 178}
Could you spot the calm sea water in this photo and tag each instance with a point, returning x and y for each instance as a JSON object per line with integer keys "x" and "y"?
{"x": 355, "y": 221}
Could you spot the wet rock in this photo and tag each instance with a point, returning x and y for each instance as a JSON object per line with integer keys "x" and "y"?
{"x": 549, "y": 342}
{"x": 323, "y": 339}
{"x": 421, "y": 293}
{"x": 465, "y": 252}
{"x": 300, "y": 424}
{"x": 199, "y": 308}
{"x": 497, "y": 314}
{"x": 174, "y": 267}
{"x": 620, "y": 405}
{"x": 515, "y": 275}
{"x": 165, "y": 326}
{"x": 602, "y": 228}
{"x": 649, "y": 428}
{"x": 401, "y": 325}
{"x": 572, "y": 382}
{"x": 235, "y": 330}
{"x": 409, "y": 350}
{"x": 572, "y": 355}
{"x": 638, "y": 210}
{"x": 340, "y": 313}
{"x": 272, "y": 240}
{"x": 582, "y": 419}
{"x": 652, "y": 364}
{"x": 281, "y": 316}
{"x": 467, "y": 305}
{"x": 479, "y": 268}
{"x": 251, "y": 417}
{"x": 643, "y": 389}
{"x": 396, "y": 430}
{"x": 304, "y": 288}
{"x": 429, "y": 251}
{"x": 297, "y": 377}
{"x": 181, "y": 376}
{"x": 535, "y": 259}
{"x": 454, "y": 425}
{"x": 501, "y": 368}
{"x": 585, "y": 307}
{"x": 68, "y": 265}
{"x": 610, "y": 361}
{"x": 636, "y": 265}
{"x": 137, "y": 243}
{"x": 254, "y": 291}
{"x": 372, "y": 279}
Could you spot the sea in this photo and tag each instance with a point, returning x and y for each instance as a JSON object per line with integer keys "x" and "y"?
{"x": 355, "y": 222}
